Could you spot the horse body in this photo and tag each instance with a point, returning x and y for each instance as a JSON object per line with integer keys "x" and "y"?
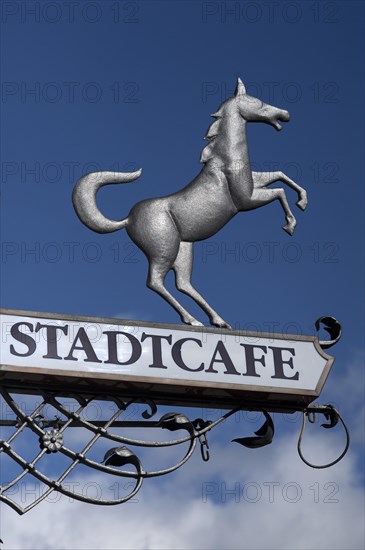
{"x": 195, "y": 214}
{"x": 165, "y": 228}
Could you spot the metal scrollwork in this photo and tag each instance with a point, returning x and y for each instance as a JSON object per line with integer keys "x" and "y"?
{"x": 333, "y": 416}
{"x": 51, "y": 435}
{"x": 107, "y": 448}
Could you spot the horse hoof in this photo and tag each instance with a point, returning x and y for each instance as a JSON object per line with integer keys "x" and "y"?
{"x": 194, "y": 323}
{"x": 302, "y": 204}
{"x": 227, "y": 326}
{"x": 221, "y": 324}
{"x": 289, "y": 229}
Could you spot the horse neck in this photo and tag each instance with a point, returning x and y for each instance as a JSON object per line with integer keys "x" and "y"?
{"x": 227, "y": 151}
{"x": 234, "y": 140}
{"x": 229, "y": 148}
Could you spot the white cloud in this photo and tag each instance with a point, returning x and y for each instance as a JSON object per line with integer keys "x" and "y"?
{"x": 242, "y": 498}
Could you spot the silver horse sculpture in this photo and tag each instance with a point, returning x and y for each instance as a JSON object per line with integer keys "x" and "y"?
{"x": 166, "y": 228}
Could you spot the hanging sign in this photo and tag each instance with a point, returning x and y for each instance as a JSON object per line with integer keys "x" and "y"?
{"x": 169, "y": 363}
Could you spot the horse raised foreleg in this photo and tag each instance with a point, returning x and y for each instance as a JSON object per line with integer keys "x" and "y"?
{"x": 183, "y": 267}
{"x": 260, "y": 197}
{"x": 261, "y": 179}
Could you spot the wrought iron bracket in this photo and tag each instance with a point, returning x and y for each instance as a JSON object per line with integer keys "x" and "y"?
{"x": 107, "y": 449}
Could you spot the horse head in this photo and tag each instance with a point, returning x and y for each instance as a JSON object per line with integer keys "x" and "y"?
{"x": 255, "y": 110}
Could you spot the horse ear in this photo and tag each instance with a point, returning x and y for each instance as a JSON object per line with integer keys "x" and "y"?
{"x": 240, "y": 88}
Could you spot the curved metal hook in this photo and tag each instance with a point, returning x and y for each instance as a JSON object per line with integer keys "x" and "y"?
{"x": 200, "y": 424}
{"x": 334, "y": 416}
{"x": 333, "y": 327}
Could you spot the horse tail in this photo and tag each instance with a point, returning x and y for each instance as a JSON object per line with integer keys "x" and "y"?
{"x": 84, "y": 199}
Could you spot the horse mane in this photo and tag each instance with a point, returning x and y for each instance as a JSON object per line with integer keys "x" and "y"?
{"x": 211, "y": 135}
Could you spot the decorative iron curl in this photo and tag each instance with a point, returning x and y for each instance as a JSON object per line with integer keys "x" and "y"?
{"x": 50, "y": 434}
{"x": 333, "y": 416}
{"x": 334, "y": 329}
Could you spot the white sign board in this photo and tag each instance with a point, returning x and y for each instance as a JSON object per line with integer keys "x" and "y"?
{"x": 166, "y": 362}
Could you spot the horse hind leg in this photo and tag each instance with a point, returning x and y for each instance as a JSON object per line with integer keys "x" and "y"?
{"x": 158, "y": 270}
{"x": 154, "y": 231}
{"x": 260, "y": 197}
{"x": 183, "y": 267}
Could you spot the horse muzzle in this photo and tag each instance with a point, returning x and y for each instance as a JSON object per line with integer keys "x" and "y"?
{"x": 283, "y": 116}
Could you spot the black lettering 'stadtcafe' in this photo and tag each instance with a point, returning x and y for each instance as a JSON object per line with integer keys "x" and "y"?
{"x": 161, "y": 347}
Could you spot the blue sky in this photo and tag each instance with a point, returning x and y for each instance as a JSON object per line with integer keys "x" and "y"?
{"x": 122, "y": 85}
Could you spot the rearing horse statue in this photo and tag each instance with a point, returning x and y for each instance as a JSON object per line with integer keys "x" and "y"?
{"x": 166, "y": 228}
